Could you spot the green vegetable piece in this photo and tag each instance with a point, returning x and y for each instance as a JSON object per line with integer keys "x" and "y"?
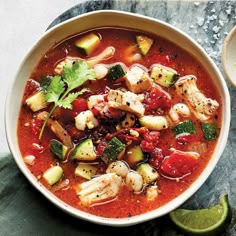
{"x": 184, "y": 127}
{"x": 114, "y": 150}
{"x": 115, "y": 72}
{"x": 85, "y": 170}
{"x": 144, "y": 43}
{"x": 134, "y": 155}
{"x": 148, "y": 173}
{"x": 163, "y": 75}
{"x": 46, "y": 80}
{"x": 59, "y": 90}
{"x": 37, "y": 101}
{"x": 53, "y": 175}
{"x": 84, "y": 151}
{"x": 58, "y": 149}
{"x": 209, "y": 131}
{"x": 88, "y": 43}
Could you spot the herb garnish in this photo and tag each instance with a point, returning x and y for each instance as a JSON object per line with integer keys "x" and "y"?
{"x": 59, "y": 90}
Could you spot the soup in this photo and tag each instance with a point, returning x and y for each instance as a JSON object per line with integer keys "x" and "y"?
{"x": 117, "y": 122}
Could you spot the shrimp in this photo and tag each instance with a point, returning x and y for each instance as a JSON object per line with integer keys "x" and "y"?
{"x": 119, "y": 168}
{"x": 179, "y": 109}
{"x": 134, "y": 181}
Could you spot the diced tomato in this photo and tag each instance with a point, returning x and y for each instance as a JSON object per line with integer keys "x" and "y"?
{"x": 95, "y": 111}
{"x": 101, "y": 146}
{"x": 152, "y": 136}
{"x": 157, "y": 100}
{"x": 147, "y": 146}
{"x": 179, "y": 163}
{"x": 31, "y": 87}
{"x": 128, "y": 138}
{"x": 156, "y": 157}
{"x": 150, "y": 140}
{"x": 104, "y": 111}
{"x": 114, "y": 113}
{"x": 78, "y": 105}
{"x": 188, "y": 138}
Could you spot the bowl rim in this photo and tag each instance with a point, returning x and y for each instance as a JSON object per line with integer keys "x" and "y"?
{"x": 231, "y": 35}
{"x": 173, "y": 204}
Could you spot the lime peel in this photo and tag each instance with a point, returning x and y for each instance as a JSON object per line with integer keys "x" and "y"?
{"x": 203, "y": 221}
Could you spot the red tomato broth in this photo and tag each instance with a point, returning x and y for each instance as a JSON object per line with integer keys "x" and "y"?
{"x": 163, "y": 52}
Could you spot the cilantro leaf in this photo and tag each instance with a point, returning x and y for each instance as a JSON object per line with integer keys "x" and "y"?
{"x": 46, "y": 80}
{"x": 77, "y": 73}
{"x": 66, "y": 102}
{"x": 59, "y": 89}
{"x": 55, "y": 89}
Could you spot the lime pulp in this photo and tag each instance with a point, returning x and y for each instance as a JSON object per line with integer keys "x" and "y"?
{"x": 209, "y": 221}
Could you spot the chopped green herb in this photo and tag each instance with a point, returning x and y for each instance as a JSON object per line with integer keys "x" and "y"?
{"x": 59, "y": 90}
{"x": 115, "y": 72}
{"x": 46, "y": 80}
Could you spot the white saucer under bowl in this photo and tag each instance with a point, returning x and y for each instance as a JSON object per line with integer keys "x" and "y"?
{"x": 229, "y": 56}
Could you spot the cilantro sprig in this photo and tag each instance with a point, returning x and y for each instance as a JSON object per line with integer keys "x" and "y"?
{"x": 59, "y": 89}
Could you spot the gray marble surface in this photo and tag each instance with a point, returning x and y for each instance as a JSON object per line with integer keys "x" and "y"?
{"x": 208, "y": 22}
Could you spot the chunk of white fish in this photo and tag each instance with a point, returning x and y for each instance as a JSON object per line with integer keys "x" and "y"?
{"x": 201, "y": 106}
{"x": 126, "y": 101}
{"x": 100, "y": 189}
{"x": 137, "y": 80}
{"x": 92, "y": 61}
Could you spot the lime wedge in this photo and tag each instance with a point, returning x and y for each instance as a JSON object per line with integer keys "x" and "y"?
{"x": 209, "y": 221}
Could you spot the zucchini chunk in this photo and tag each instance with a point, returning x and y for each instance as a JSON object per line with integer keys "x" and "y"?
{"x": 84, "y": 151}
{"x": 58, "y": 149}
{"x": 148, "y": 173}
{"x": 163, "y": 75}
{"x": 37, "y": 101}
{"x": 53, "y": 175}
{"x": 115, "y": 72}
{"x": 114, "y": 150}
{"x": 154, "y": 122}
{"x": 185, "y": 127}
{"x": 85, "y": 170}
{"x": 144, "y": 43}
{"x": 209, "y": 131}
{"x": 88, "y": 43}
{"x": 134, "y": 155}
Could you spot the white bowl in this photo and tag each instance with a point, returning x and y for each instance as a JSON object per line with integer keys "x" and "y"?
{"x": 229, "y": 56}
{"x": 128, "y": 20}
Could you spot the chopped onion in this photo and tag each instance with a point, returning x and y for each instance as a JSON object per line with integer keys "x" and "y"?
{"x": 63, "y": 185}
{"x": 30, "y": 159}
{"x": 200, "y": 148}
